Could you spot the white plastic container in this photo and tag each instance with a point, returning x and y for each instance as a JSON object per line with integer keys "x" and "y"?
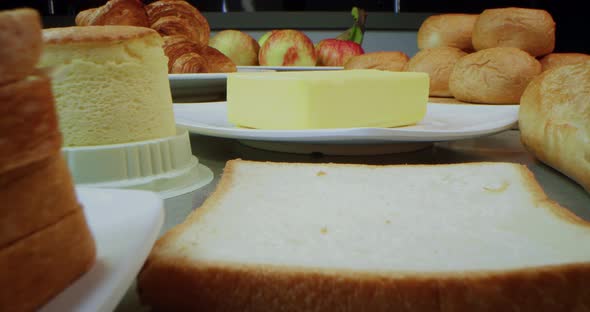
{"x": 165, "y": 166}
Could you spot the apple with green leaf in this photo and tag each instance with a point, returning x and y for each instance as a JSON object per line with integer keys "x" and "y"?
{"x": 240, "y": 47}
{"x": 287, "y": 47}
{"x": 335, "y": 52}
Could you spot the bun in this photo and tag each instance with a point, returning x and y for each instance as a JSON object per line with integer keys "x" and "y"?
{"x": 553, "y": 60}
{"x": 447, "y": 30}
{"x": 530, "y": 30}
{"x": 383, "y": 60}
{"x": 20, "y": 39}
{"x": 115, "y": 12}
{"x": 493, "y": 76}
{"x": 438, "y": 64}
{"x": 186, "y": 56}
{"x": 553, "y": 120}
{"x": 291, "y": 237}
{"x": 171, "y": 18}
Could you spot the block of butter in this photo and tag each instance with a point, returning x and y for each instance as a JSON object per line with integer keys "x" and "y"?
{"x": 326, "y": 99}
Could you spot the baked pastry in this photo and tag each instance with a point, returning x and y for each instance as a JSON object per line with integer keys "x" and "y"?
{"x": 493, "y": 76}
{"x": 383, "y": 60}
{"x": 530, "y": 30}
{"x": 171, "y": 18}
{"x": 553, "y": 60}
{"x": 186, "y": 56}
{"x": 20, "y": 39}
{"x": 438, "y": 63}
{"x": 553, "y": 120}
{"x": 486, "y": 238}
{"x": 109, "y": 93}
{"x": 115, "y": 12}
{"x": 447, "y": 30}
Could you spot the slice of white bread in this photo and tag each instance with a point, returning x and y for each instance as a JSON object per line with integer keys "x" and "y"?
{"x": 326, "y": 237}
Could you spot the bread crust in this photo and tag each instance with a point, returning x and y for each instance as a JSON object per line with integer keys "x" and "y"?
{"x": 530, "y": 30}
{"x": 94, "y": 34}
{"x": 20, "y": 39}
{"x": 554, "y": 60}
{"x": 178, "y": 18}
{"x": 493, "y": 76}
{"x": 35, "y": 196}
{"x": 115, "y": 12}
{"x": 38, "y": 267}
{"x": 28, "y": 122}
{"x": 553, "y": 120}
{"x": 176, "y": 283}
{"x": 447, "y": 30}
{"x": 382, "y": 60}
{"x": 438, "y": 63}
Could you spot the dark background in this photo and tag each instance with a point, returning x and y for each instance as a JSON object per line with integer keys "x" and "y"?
{"x": 572, "y": 17}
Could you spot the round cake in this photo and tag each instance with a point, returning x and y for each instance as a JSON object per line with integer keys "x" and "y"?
{"x": 110, "y": 84}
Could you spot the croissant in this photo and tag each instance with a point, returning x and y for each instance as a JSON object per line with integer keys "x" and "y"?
{"x": 181, "y": 51}
{"x": 115, "y": 12}
{"x": 174, "y": 17}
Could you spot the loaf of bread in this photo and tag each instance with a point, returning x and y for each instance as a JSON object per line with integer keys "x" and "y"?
{"x": 382, "y": 60}
{"x": 20, "y": 39}
{"x": 553, "y": 120}
{"x": 327, "y": 237}
{"x": 553, "y": 60}
{"x": 438, "y": 64}
{"x": 110, "y": 84}
{"x": 115, "y": 12}
{"x": 447, "y": 30}
{"x": 493, "y": 76}
{"x": 530, "y": 30}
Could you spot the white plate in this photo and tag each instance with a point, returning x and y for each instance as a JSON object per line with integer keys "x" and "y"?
{"x": 211, "y": 87}
{"x": 125, "y": 225}
{"x": 443, "y": 122}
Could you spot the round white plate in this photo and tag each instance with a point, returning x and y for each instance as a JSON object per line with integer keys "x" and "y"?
{"x": 443, "y": 122}
{"x": 125, "y": 225}
{"x": 289, "y": 68}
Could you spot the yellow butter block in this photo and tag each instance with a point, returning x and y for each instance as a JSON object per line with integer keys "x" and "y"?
{"x": 326, "y": 99}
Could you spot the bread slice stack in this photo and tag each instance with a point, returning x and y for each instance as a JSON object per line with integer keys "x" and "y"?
{"x": 45, "y": 243}
{"x": 326, "y": 237}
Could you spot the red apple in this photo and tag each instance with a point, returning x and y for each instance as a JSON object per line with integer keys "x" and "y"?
{"x": 335, "y": 52}
{"x": 262, "y": 39}
{"x": 240, "y": 47}
{"x": 287, "y": 48}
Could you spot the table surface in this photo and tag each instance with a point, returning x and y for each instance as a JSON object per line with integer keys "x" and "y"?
{"x": 502, "y": 147}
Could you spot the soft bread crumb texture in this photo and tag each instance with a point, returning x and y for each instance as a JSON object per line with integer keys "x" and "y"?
{"x": 113, "y": 91}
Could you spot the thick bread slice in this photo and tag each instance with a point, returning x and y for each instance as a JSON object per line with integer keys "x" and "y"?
{"x": 554, "y": 120}
{"x": 324, "y": 237}
{"x": 33, "y": 197}
{"x": 40, "y": 266}
{"x": 20, "y": 39}
{"x": 28, "y": 122}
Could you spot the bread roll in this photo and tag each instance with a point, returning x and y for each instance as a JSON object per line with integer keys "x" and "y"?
{"x": 110, "y": 84}
{"x": 28, "y": 122}
{"x": 553, "y": 120}
{"x": 553, "y": 60}
{"x": 447, "y": 30}
{"x": 36, "y": 268}
{"x": 438, "y": 64}
{"x": 20, "y": 39}
{"x": 530, "y": 30}
{"x": 493, "y": 76}
{"x": 383, "y": 60}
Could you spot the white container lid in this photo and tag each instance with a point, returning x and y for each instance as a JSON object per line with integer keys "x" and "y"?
{"x": 165, "y": 166}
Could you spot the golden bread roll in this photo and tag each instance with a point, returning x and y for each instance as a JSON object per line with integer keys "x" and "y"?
{"x": 493, "y": 76}
{"x": 438, "y": 64}
{"x": 38, "y": 267}
{"x": 383, "y": 60}
{"x": 20, "y": 39}
{"x": 110, "y": 84}
{"x": 115, "y": 12}
{"x": 28, "y": 123}
{"x": 553, "y": 120}
{"x": 447, "y": 30}
{"x": 553, "y": 60}
{"x": 178, "y": 18}
{"x": 35, "y": 195}
{"x": 530, "y": 30}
